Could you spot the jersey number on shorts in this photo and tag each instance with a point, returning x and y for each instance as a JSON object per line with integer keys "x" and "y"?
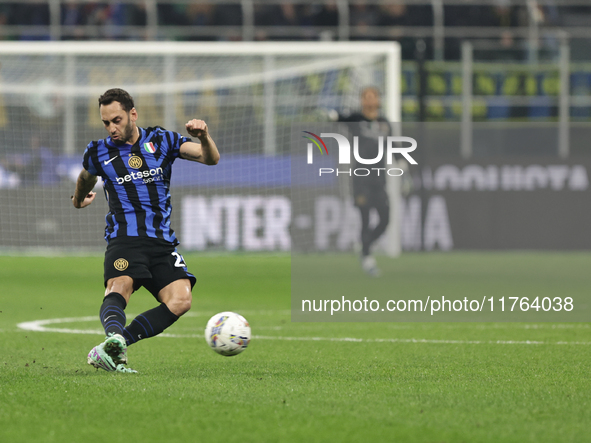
{"x": 180, "y": 261}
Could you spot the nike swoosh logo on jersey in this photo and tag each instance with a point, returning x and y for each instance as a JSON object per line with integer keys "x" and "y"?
{"x": 106, "y": 162}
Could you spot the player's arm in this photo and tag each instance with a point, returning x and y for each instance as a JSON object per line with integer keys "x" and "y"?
{"x": 326, "y": 115}
{"x": 83, "y": 195}
{"x": 206, "y": 152}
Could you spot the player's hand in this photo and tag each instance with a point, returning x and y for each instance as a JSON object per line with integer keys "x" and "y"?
{"x": 326, "y": 115}
{"x": 197, "y": 128}
{"x": 87, "y": 200}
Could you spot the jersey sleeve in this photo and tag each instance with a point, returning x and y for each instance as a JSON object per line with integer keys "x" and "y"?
{"x": 87, "y": 162}
{"x": 350, "y": 117}
{"x": 175, "y": 142}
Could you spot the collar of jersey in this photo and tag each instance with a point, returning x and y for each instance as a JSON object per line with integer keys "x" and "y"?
{"x": 134, "y": 148}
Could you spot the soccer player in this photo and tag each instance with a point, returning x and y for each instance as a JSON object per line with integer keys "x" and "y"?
{"x": 135, "y": 164}
{"x": 370, "y": 191}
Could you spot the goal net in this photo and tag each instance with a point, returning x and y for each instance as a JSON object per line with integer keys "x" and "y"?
{"x": 250, "y": 94}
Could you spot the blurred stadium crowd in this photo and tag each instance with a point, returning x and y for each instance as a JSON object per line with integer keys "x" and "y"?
{"x": 124, "y": 20}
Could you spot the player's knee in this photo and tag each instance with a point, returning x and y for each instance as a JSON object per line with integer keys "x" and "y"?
{"x": 180, "y": 304}
{"x": 122, "y": 285}
{"x": 185, "y": 304}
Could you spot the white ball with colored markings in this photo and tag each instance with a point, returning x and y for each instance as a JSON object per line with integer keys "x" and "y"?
{"x": 227, "y": 333}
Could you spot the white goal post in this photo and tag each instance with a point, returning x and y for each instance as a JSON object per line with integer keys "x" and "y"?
{"x": 249, "y": 93}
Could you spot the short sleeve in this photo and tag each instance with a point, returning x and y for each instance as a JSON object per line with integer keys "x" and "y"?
{"x": 345, "y": 118}
{"x": 177, "y": 141}
{"x": 87, "y": 162}
{"x": 350, "y": 117}
{"x": 170, "y": 141}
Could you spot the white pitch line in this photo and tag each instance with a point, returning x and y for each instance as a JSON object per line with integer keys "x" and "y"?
{"x": 244, "y": 313}
{"x": 41, "y": 326}
{"x": 421, "y": 340}
{"x": 561, "y": 326}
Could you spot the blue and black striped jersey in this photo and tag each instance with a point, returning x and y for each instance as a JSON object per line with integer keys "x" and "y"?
{"x": 137, "y": 182}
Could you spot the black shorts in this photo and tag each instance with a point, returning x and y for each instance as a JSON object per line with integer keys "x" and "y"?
{"x": 372, "y": 196}
{"x": 151, "y": 262}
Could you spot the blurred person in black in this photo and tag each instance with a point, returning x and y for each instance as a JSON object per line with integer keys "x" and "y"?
{"x": 278, "y": 17}
{"x": 170, "y": 14}
{"x": 284, "y": 14}
{"x": 72, "y": 18}
{"x": 5, "y": 14}
{"x": 35, "y": 16}
{"x": 326, "y": 14}
{"x": 395, "y": 16}
{"x": 200, "y": 15}
{"x": 229, "y": 15}
{"x": 369, "y": 192}
{"x": 362, "y": 18}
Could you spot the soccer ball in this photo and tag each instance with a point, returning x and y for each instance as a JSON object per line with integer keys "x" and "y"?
{"x": 227, "y": 333}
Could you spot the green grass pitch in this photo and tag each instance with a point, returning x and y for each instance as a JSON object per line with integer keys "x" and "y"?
{"x": 441, "y": 382}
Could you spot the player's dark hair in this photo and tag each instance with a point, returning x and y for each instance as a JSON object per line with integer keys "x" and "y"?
{"x": 117, "y": 95}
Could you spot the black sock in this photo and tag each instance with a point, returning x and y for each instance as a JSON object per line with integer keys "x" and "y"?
{"x": 112, "y": 313}
{"x": 149, "y": 324}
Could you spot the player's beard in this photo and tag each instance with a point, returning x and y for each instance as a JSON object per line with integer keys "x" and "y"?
{"x": 127, "y": 133}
